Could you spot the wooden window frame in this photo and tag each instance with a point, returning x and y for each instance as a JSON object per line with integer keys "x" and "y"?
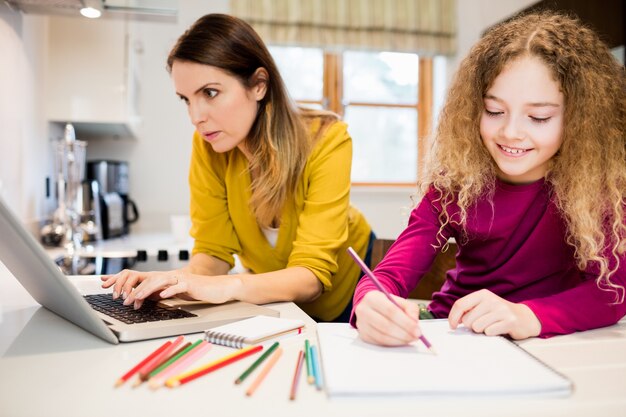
{"x": 333, "y": 100}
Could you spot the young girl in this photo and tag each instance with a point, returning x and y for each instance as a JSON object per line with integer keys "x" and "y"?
{"x": 528, "y": 174}
{"x": 268, "y": 181}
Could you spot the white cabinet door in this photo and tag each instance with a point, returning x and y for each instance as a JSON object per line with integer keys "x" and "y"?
{"x": 89, "y": 74}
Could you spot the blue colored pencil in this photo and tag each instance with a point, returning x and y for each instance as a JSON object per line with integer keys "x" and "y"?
{"x": 317, "y": 370}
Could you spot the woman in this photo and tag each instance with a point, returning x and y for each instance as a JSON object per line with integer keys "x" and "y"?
{"x": 269, "y": 182}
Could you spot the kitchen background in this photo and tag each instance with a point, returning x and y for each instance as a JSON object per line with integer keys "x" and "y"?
{"x": 44, "y": 59}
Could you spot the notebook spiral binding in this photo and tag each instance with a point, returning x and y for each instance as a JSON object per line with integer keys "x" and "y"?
{"x": 225, "y": 339}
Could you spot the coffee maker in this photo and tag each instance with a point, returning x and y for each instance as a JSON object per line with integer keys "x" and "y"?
{"x": 118, "y": 211}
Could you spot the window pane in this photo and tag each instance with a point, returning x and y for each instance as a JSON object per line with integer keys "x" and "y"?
{"x": 302, "y": 69}
{"x": 384, "y": 144}
{"x": 380, "y": 77}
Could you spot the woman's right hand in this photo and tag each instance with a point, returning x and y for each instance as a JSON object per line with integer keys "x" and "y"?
{"x": 134, "y": 286}
{"x": 380, "y": 322}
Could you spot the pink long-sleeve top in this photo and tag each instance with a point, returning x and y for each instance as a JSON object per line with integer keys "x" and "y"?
{"x": 515, "y": 248}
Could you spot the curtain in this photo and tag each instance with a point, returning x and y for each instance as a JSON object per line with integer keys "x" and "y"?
{"x": 427, "y": 27}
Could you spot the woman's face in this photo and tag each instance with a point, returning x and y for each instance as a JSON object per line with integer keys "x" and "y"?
{"x": 219, "y": 105}
{"x": 522, "y": 122}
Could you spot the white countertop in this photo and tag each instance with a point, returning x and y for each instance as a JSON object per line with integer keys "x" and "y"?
{"x": 49, "y": 367}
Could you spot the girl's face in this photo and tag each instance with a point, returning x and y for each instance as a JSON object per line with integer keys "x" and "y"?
{"x": 522, "y": 122}
{"x": 219, "y": 105}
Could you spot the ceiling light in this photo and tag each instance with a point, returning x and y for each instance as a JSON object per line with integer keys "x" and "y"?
{"x": 90, "y": 12}
{"x": 92, "y": 8}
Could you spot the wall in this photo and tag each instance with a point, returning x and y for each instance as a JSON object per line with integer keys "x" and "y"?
{"x": 24, "y": 152}
{"x": 159, "y": 156}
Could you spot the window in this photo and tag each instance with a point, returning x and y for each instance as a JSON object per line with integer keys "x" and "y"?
{"x": 386, "y": 99}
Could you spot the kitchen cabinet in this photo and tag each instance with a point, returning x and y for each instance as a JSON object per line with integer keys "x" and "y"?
{"x": 92, "y": 76}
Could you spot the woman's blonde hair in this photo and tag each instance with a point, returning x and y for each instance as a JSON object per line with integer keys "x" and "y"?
{"x": 588, "y": 173}
{"x": 279, "y": 140}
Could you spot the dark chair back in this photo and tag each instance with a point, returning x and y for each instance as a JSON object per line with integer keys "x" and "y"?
{"x": 433, "y": 280}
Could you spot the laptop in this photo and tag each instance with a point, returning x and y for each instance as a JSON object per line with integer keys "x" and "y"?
{"x": 42, "y": 278}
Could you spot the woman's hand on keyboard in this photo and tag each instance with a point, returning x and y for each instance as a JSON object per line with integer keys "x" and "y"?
{"x": 134, "y": 286}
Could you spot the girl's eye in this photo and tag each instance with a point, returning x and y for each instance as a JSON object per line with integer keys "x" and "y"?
{"x": 184, "y": 99}
{"x": 493, "y": 113}
{"x": 539, "y": 119}
{"x": 209, "y": 92}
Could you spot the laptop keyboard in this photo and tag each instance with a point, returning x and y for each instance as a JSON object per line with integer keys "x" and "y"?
{"x": 149, "y": 311}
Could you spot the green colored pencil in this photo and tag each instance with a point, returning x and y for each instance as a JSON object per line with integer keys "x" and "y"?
{"x": 309, "y": 365}
{"x": 173, "y": 359}
{"x": 256, "y": 363}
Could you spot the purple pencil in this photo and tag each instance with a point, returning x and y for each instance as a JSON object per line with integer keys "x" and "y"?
{"x": 382, "y": 289}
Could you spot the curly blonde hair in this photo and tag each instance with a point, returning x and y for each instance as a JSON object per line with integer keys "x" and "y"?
{"x": 588, "y": 173}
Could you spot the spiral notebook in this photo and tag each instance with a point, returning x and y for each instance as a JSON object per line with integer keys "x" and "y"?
{"x": 253, "y": 331}
{"x": 466, "y": 363}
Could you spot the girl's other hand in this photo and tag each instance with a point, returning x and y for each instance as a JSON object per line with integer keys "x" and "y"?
{"x": 380, "y": 322}
{"x": 485, "y": 312}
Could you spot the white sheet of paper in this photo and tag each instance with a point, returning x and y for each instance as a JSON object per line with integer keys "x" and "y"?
{"x": 466, "y": 363}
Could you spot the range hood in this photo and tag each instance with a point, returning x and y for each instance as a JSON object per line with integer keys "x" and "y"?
{"x": 143, "y": 10}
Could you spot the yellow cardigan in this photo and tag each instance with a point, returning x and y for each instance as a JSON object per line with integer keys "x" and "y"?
{"x": 315, "y": 228}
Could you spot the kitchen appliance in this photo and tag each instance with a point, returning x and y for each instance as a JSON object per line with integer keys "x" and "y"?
{"x": 90, "y": 212}
{"x": 113, "y": 262}
{"x": 118, "y": 211}
{"x": 69, "y": 172}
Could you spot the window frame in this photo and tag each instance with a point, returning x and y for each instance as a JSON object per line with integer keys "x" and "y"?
{"x": 332, "y": 99}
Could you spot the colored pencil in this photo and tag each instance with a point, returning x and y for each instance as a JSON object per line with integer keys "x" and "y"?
{"x": 310, "y": 353}
{"x": 136, "y": 368}
{"x": 382, "y": 289}
{"x": 180, "y": 353}
{"x": 210, "y": 367}
{"x": 296, "y": 376}
{"x": 256, "y": 363}
{"x": 317, "y": 370}
{"x": 309, "y": 368}
{"x": 266, "y": 370}
{"x": 181, "y": 364}
{"x": 162, "y": 362}
{"x": 157, "y": 360}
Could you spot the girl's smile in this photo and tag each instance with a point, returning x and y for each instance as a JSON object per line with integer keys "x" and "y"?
{"x": 513, "y": 152}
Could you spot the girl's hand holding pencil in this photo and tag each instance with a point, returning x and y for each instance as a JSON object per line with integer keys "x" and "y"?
{"x": 383, "y": 323}
{"x": 379, "y": 319}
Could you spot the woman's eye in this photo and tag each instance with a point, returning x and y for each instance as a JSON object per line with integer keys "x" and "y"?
{"x": 184, "y": 99}
{"x": 209, "y": 92}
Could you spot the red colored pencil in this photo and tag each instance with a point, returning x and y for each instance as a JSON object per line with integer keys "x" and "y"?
{"x": 203, "y": 370}
{"x": 137, "y": 367}
{"x": 152, "y": 364}
{"x": 165, "y": 360}
{"x": 296, "y": 376}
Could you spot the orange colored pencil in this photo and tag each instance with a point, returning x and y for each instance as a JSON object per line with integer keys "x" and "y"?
{"x": 212, "y": 366}
{"x": 266, "y": 370}
{"x": 296, "y": 376}
{"x": 136, "y": 368}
